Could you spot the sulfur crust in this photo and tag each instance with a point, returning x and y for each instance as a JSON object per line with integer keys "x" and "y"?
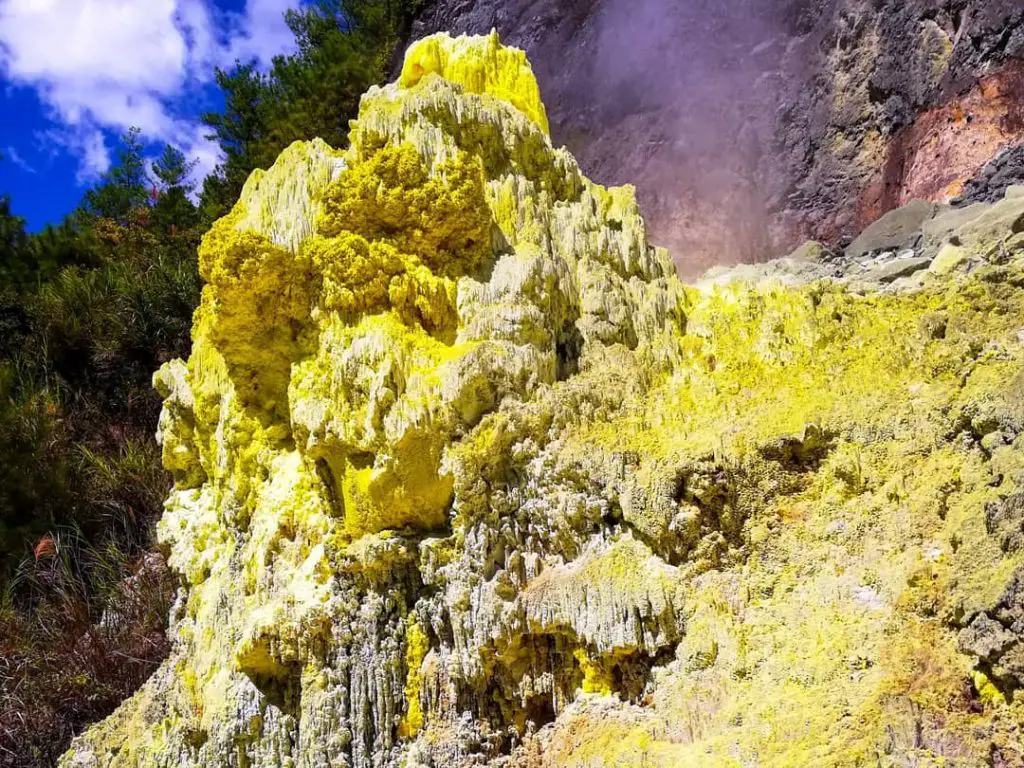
{"x": 454, "y": 439}
{"x": 480, "y": 67}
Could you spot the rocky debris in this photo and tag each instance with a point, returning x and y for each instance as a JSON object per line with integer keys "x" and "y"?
{"x": 885, "y": 270}
{"x": 895, "y": 231}
{"x": 992, "y": 226}
{"x": 904, "y": 250}
{"x": 901, "y": 266}
{"x": 941, "y": 229}
{"x": 1004, "y": 170}
{"x": 788, "y": 271}
{"x": 996, "y": 638}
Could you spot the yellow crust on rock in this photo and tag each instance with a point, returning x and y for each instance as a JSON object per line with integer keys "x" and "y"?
{"x": 461, "y": 468}
{"x": 480, "y": 65}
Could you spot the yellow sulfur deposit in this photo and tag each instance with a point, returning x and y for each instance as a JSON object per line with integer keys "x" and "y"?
{"x": 479, "y": 67}
{"x": 464, "y": 475}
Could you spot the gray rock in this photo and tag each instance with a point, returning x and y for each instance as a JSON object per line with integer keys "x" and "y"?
{"x": 996, "y": 636}
{"x": 1004, "y": 172}
{"x": 938, "y": 230}
{"x": 897, "y": 230}
{"x": 909, "y": 284}
{"x": 994, "y": 225}
{"x": 987, "y": 639}
{"x": 812, "y": 250}
{"x": 951, "y": 257}
{"x": 893, "y": 270}
{"x": 788, "y": 271}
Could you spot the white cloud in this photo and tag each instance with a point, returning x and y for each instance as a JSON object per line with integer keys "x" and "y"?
{"x": 261, "y": 33}
{"x": 87, "y": 143}
{"x": 107, "y": 65}
{"x": 18, "y": 160}
{"x": 95, "y": 155}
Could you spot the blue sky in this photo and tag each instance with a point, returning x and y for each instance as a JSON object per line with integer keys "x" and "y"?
{"x": 75, "y": 74}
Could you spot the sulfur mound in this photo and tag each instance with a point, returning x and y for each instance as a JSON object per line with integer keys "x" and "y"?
{"x": 464, "y": 475}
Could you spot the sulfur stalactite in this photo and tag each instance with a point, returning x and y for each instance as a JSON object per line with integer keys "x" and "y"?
{"x": 464, "y": 475}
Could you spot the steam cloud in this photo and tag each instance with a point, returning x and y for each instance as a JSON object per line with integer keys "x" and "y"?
{"x": 680, "y": 98}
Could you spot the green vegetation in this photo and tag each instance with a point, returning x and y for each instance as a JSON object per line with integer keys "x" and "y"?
{"x": 89, "y": 310}
{"x": 343, "y": 47}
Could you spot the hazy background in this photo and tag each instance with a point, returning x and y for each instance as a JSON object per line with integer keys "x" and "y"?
{"x": 680, "y": 98}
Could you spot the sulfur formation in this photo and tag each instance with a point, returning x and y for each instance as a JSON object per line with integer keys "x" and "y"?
{"x": 464, "y": 475}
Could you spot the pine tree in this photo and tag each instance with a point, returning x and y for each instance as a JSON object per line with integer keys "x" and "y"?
{"x": 14, "y": 264}
{"x": 173, "y": 210}
{"x": 244, "y": 132}
{"x": 125, "y": 186}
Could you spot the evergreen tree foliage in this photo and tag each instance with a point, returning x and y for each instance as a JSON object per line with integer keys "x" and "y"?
{"x": 125, "y": 186}
{"x": 13, "y": 242}
{"x": 342, "y": 48}
{"x": 88, "y": 310}
{"x": 173, "y": 210}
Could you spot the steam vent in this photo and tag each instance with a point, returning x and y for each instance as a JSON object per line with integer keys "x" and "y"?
{"x": 465, "y": 476}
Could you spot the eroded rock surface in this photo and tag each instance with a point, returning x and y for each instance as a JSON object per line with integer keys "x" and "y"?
{"x": 464, "y": 475}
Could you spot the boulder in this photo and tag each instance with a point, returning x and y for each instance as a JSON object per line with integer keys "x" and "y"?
{"x": 949, "y": 258}
{"x": 812, "y": 250}
{"x": 994, "y": 225}
{"x": 895, "y": 231}
{"x": 891, "y": 271}
{"x": 939, "y": 229}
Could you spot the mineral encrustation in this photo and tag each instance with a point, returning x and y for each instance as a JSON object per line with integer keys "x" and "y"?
{"x": 464, "y": 475}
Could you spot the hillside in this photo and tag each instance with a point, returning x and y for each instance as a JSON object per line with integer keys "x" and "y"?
{"x": 465, "y": 475}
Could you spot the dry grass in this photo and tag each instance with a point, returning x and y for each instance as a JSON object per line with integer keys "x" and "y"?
{"x": 80, "y": 630}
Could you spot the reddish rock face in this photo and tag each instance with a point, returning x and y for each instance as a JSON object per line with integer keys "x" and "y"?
{"x": 749, "y": 126}
{"x": 948, "y": 145}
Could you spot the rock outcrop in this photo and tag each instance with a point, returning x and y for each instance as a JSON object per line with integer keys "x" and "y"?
{"x": 750, "y": 126}
{"x": 464, "y": 475}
